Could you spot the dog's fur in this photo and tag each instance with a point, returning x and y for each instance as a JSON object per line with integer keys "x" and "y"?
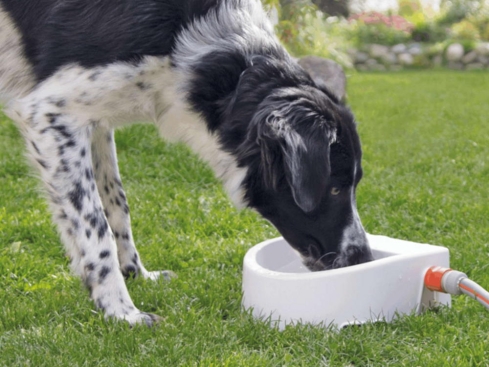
{"x": 209, "y": 73}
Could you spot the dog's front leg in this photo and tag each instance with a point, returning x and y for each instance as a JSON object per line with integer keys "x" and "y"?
{"x": 59, "y": 143}
{"x": 115, "y": 204}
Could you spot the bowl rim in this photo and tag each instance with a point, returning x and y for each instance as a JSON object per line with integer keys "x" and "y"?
{"x": 250, "y": 262}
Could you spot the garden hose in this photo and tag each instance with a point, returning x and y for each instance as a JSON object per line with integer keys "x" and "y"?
{"x": 454, "y": 282}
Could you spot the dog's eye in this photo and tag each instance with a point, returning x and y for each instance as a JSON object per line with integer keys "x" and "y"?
{"x": 335, "y": 191}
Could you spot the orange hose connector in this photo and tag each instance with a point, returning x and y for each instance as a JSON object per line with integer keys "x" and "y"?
{"x": 433, "y": 277}
{"x": 446, "y": 280}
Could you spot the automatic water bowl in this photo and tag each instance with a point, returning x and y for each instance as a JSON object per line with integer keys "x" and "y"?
{"x": 277, "y": 287}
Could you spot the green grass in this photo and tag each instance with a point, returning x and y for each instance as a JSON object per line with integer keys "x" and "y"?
{"x": 426, "y": 161}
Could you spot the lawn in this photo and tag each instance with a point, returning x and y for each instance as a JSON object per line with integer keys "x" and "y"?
{"x": 426, "y": 162}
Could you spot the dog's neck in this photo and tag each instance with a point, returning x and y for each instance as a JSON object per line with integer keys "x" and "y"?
{"x": 208, "y": 68}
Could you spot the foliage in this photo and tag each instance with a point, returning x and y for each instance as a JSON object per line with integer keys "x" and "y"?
{"x": 304, "y": 30}
{"x": 375, "y": 27}
{"x": 485, "y": 33}
{"x": 481, "y": 21}
{"x": 408, "y": 8}
{"x": 465, "y": 30}
{"x": 395, "y": 22}
{"x": 378, "y": 33}
{"x": 429, "y": 31}
{"x": 468, "y": 45}
{"x": 454, "y": 11}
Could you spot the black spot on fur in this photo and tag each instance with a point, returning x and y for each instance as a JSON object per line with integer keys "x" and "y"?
{"x": 61, "y": 103}
{"x": 102, "y": 229}
{"x": 70, "y": 143}
{"x": 76, "y": 196}
{"x": 106, "y": 189}
{"x": 88, "y": 174}
{"x": 116, "y": 234}
{"x": 42, "y": 163}
{"x": 52, "y": 117}
{"x": 75, "y": 223}
{"x": 64, "y": 165}
{"x": 88, "y": 233}
{"x": 90, "y": 266}
{"x": 103, "y": 273}
{"x": 125, "y": 236}
{"x": 94, "y": 218}
{"x": 83, "y": 152}
{"x": 35, "y": 147}
{"x": 117, "y": 202}
{"x": 143, "y": 86}
{"x": 63, "y": 130}
{"x": 104, "y": 254}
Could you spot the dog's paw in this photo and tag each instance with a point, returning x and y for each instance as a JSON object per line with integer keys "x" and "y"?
{"x": 162, "y": 274}
{"x": 142, "y": 318}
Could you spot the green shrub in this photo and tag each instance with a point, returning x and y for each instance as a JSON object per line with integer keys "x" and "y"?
{"x": 429, "y": 31}
{"x": 314, "y": 34}
{"x": 455, "y": 11}
{"x": 481, "y": 21}
{"x": 465, "y": 30}
{"x": 377, "y": 33}
{"x": 304, "y": 30}
{"x": 485, "y": 33}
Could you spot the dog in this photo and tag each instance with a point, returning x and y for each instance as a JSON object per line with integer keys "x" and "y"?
{"x": 209, "y": 73}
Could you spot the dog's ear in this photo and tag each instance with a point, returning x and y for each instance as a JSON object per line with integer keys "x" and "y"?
{"x": 303, "y": 150}
{"x": 308, "y": 169}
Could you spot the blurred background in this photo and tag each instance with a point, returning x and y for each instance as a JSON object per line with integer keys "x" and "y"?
{"x": 386, "y": 34}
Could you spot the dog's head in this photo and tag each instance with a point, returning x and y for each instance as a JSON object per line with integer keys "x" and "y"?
{"x": 303, "y": 157}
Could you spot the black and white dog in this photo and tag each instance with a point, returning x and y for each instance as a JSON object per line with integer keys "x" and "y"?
{"x": 209, "y": 73}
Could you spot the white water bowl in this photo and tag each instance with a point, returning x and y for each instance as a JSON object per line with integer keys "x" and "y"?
{"x": 277, "y": 287}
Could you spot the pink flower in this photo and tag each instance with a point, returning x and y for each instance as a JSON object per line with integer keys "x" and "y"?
{"x": 392, "y": 21}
